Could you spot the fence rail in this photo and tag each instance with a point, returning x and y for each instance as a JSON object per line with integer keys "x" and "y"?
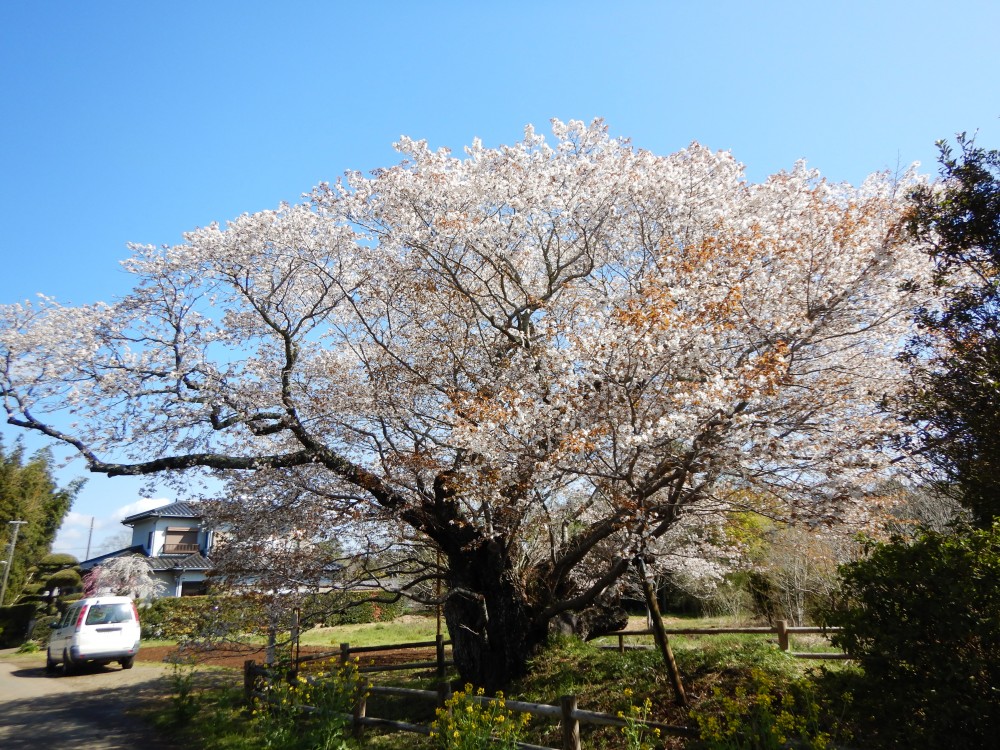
{"x": 345, "y": 651}
{"x": 781, "y": 628}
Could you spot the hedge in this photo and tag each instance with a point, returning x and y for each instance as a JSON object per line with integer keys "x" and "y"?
{"x": 41, "y": 631}
{"x": 14, "y": 623}
{"x": 178, "y": 618}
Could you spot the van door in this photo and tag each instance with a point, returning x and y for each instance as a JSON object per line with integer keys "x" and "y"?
{"x": 61, "y": 636}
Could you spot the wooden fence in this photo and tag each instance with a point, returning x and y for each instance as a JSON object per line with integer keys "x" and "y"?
{"x": 568, "y": 714}
{"x": 781, "y": 628}
{"x": 440, "y": 663}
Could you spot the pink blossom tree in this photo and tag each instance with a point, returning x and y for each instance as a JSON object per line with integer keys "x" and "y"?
{"x": 542, "y": 360}
{"x": 123, "y": 576}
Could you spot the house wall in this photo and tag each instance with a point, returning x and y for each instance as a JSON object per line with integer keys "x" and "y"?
{"x": 151, "y": 533}
{"x": 173, "y": 581}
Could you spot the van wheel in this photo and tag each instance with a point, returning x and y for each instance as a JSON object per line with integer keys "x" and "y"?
{"x": 50, "y": 663}
{"x": 127, "y": 662}
{"x": 66, "y": 668}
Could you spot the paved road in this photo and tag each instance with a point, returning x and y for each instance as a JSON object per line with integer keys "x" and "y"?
{"x": 84, "y": 711}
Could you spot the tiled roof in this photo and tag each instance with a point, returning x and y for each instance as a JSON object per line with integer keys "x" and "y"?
{"x": 196, "y": 561}
{"x": 93, "y": 561}
{"x": 174, "y": 510}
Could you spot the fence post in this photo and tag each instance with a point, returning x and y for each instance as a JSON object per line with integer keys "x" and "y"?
{"x": 621, "y": 644}
{"x": 444, "y": 693}
{"x": 249, "y": 678}
{"x": 782, "y": 628}
{"x": 360, "y": 710}
{"x": 345, "y": 652}
{"x": 272, "y": 641}
{"x": 439, "y": 644}
{"x": 570, "y": 724}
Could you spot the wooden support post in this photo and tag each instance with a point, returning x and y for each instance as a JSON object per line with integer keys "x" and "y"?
{"x": 272, "y": 641}
{"x": 570, "y": 724}
{"x": 345, "y": 653}
{"x": 621, "y": 644}
{"x": 439, "y": 645}
{"x": 444, "y": 692}
{"x": 249, "y": 681}
{"x": 661, "y": 634}
{"x": 782, "y": 628}
{"x": 360, "y": 710}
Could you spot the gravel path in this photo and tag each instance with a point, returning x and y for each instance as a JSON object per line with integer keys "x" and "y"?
{"x": 90, "y": 710}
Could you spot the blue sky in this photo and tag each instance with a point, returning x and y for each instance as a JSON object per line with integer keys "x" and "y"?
{"x": 125, "y": 121}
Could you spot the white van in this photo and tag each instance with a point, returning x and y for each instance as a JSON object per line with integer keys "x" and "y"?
{"x": 99, "y": 629}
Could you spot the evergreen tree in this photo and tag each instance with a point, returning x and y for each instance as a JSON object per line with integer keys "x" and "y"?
{"x": 29, "y": 493}
{"x": 955, "y": 399}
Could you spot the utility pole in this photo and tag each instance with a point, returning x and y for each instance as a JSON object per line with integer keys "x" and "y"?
{"x": 10, "y": 558}
{"x": 89, "y": 537}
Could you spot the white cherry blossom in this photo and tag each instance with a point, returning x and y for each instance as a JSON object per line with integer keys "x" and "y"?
{"x": 540, "y": 359}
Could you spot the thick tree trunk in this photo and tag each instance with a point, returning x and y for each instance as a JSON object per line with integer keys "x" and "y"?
{"x": 492, "y": 628}
{"x": 602, "y": 617}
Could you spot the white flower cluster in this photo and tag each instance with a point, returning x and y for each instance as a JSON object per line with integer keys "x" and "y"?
{"x": 509, "y": 324}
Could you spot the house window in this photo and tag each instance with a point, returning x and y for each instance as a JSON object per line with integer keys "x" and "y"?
{"x": 180, "y": 540}
{"x": 194, "y": 588}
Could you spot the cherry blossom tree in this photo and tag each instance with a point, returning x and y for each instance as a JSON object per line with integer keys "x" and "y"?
{"x": 538, "y": 359}
{"x": 129, "y": 575}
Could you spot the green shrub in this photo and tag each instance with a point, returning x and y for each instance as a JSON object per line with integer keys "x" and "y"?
{"x": 923, "y": 620}
{"x": 209, "y": 616}
{"x": 765, "y": 714}
{"x": 14, "y": 623}
{"x": 57, "y": 560}
{"x": 32, "y": 589}
{"x": 467, "y": 724}
{"x": 178, "y": 618}
{"x": 65, "y": 579}
{"x": 41, "y": 630}
{"x": 40, "y": 602}
{"x": 356, "y": 608}
{"x": 308, "y": 712}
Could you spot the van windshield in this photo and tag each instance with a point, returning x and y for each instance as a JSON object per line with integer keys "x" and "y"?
{"x": 109, "y": 613}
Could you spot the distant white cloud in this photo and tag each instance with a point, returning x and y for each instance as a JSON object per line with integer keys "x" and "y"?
{"x": 139, "y": 506}
{"x": 77, "y": 537}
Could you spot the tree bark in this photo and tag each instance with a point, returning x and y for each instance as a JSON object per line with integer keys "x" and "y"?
{"x": 493, "y": 629}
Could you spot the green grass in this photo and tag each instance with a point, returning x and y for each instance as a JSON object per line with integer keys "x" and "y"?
{"x": 405, "y": 629}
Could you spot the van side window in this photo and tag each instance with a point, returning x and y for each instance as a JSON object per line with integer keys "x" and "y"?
{"x": 70, "y": 617}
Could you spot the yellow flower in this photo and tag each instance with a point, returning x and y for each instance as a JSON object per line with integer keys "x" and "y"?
{"x": 628, "y": 692}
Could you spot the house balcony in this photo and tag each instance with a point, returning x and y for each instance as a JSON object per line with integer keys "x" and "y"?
{"x": 180, "y": 549}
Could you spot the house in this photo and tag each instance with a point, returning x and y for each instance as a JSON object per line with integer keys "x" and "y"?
{"x": 175, "y": 542}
